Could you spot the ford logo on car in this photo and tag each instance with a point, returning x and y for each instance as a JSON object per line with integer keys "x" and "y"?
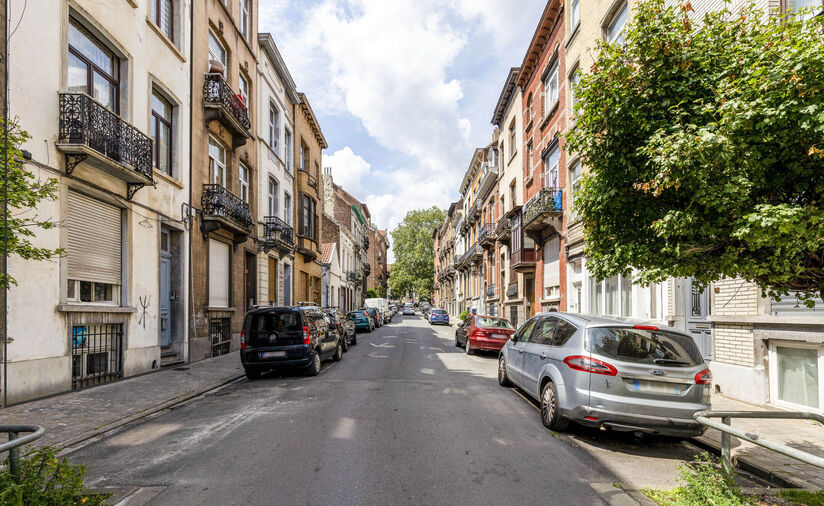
{"x": 657, "y": 372}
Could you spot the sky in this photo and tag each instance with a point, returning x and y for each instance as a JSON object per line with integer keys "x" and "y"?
{"x": 404, "y": 90}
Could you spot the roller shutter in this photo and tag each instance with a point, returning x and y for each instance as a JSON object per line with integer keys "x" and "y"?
{"x": 94, "y": 240}
{"x": 218, "y": 274}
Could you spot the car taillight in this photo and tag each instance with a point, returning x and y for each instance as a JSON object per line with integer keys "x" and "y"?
{"x": 307, "y": 336}
{"x": 645, "y": 327}
{"x": 704, "y": 377}
{"x": 242, "y": 340}
{"x": 366, "y": 314}
{"x": 590, "y": 365}
{"x": 480, "y": 333}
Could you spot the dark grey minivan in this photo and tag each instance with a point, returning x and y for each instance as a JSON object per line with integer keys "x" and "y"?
{"x": 277, "y": 337}
{"x": 606, "y": 372}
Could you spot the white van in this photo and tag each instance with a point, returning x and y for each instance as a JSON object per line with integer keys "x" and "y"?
{"x": 382, "y": 306}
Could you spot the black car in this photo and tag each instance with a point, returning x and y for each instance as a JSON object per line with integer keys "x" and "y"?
{"x": 276, "y": 337}
{"x": 345, "y": 326}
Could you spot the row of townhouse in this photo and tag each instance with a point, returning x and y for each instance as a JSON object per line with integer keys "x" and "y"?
{"x": 512, "y": 245}
{"x": 190, "y": 188}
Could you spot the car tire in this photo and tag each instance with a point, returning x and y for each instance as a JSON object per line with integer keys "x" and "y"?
{"x": 344, "y": 345}
{"x": 468, "y": 348}
{"x": 338, "y": 356}
{"x": 314, "y": 365}
{"x": 354, "y": 339}
{"x": 252, "y": 374}
{"x": 503, "y": 379}
{"x": 550, "y": 416}
{"x": 457, "y": 341}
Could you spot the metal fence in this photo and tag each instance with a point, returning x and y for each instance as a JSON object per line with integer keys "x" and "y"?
{"x": 15, "y": 442}
{"x": 97, "y": 354}
{"x": 220, "y": 333}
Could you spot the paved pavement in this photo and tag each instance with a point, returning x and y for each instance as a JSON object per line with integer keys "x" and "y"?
{"x": 74, "y": 417}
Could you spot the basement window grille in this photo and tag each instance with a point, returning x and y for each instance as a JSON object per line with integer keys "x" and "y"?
{"x": 97, "y": 354}
{"x": 220, "y": 334}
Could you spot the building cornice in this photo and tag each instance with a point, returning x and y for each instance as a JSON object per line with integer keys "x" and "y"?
{"x": 543, "y": 32}
{"x": 312, "y": 119}
{"x": 506, "y": 95}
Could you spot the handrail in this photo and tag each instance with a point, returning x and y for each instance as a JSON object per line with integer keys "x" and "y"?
{"x": 15, "y": 442}
{"x": 703, "y": 417}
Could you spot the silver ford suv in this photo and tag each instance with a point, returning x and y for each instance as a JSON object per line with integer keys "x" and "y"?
{"x": 607, "y": 372}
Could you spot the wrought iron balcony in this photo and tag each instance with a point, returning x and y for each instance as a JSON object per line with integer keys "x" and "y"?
{"x": 367, "y": 269}
{"x": 543, "y": 211}
{"x": 89, "y": 132}
{"x": 486, "y": 237}
{"x": 490, "y": 176}
{"x": 277, "y": 234}
{"x": 353, "y": 277}
{"x": 523, "y": 260}
{"x": 504, "y": 230}
{"x": 474, "y": 213}
{"x": 512, "y": 290}
{"x": 490, "y": 291}
{"x": 365, "y": 242}
{"x": 222, "y": 104}
{"x": 222, "y": 208}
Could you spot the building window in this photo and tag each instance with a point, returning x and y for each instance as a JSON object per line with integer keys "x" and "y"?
{"x": 287, "y": 208}
{"x": 245, "y": 19}
{"x": 309, "y": 221}
{"x": 243, "y": 178}
{"x": 219, "y": 262}
{"x": 612, "y": 297}
{"x": 530, "y": 163}
{"x": 512, "y": 146}
{"x": 273, "y": 197}
{"x": 551, "y": 89}
{"x": 274, "y": 126}
{"x": 287, "y": 143}
{"x": 573, "y": 82}
{"x": 217, "y": 161}
{"x": 529, "y": 107}
{"x": 574, "y": 14}
{"x": 551, "y": 162}
{"x": 163, "y": 16}
{"x": 798, "y": 375}
{"x": 244, "y": 90}
{"x": 812, "y": 7}
{"x": 575, "y": 184}
{"x": 217, "y": 52}
{"x": 161, "y": 132}
{"x": 93, "y": 69}
{"x": 615, "y": 28}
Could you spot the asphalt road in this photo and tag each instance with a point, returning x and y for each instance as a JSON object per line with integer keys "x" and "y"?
{"x": 404, "y": 418}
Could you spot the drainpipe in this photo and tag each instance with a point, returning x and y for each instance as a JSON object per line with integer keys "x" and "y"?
{"x": 5, "y": 203}
{"x": 190, "y": 217}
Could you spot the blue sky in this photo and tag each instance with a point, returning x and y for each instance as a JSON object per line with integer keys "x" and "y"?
{"x": 404, "y": 89}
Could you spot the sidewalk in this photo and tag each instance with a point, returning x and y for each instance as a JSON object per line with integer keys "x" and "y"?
{"x": 74, "y": 417}
{"x": 805, "y": 435}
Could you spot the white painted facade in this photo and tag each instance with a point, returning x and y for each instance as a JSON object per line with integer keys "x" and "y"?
{"x": 147, "y": 61}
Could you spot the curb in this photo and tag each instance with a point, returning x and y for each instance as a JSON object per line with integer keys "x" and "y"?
{"x": 67, "y": 444}
{"x": 746, "y": 465}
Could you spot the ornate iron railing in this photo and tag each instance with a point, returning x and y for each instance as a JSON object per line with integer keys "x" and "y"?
{"x": 487, "y": 233}
{"x": 275, "y": 228}
{"x": 352, "y": 276}
{"x": 310, "y": 179}
{"x": 218, "y": 201}
{"x": 504, "y": 227}
{"x": 512, "y": 290}
{"x": 217, "y": 91}
{"x": 548, "y": 200}
{"x": 83, "y": 120}
{"x": 366, "y": 242}
{"x": 367, "y": 268}
{"x": 490, "y": 291}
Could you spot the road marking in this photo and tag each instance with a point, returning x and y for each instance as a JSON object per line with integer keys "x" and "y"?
{"x": 372, "y": 354}
{"x": 345, "y": 429}
{"x": 383, "y": 345}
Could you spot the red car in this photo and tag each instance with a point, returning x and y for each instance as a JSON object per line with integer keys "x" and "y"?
{"x": 483, "y": 333}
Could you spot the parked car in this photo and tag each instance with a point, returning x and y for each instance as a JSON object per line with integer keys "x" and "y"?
{"x": 345, "y": 326}
{"x": 382, "y": 305}
{"x": 409, "y": 309}
{"x": 606, "y": 372}
{"x": 438, "y": 316}
{"x": 276, "y": 337}
{"x": 362, "y": 320}
{"x": 373, "y": 314}
{"x": 483, "y": 333}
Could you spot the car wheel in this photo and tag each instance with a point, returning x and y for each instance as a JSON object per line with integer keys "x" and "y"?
{"x": 314, "y": 365}
{"x": 344, "y": 345}
{"x": 550, "y": 416}
{"x": 338, "y": 352}
{"x": 370, "y": 328}
{"x": 457, "y": 342}
{"x": 468, "y": 348}
{"x": 252, "y": 374}
{"x": 503, "y": 379}
{"x": 354, "y": 339}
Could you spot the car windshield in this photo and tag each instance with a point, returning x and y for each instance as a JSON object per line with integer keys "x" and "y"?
{"x": 498, "y": 323}
{"x": 438, "y": 311}
{"x": 653, "y": 347}
{"x": 287, "y": 321}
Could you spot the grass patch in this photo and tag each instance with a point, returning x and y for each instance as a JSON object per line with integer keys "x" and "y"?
{"x": 803, "y": 497}
{"x": 703, "y": 482}
{"x": 45, "y": 479}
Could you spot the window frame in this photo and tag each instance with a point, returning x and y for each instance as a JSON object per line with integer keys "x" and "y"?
{"x": 274, "y": 126}
{"x": 574, "y": 15}
{"x": 245, "y": 19}
{"x": 273, "y": 189}
{"x": 73, "y": 293}
{"x": 243, "y": 184}
{"x": 244, "y": 90}
{"x": 288, "y": 148}
{"x": 774, "y": 372}
{"x": 157, "y": 122}
{"x": 91, "y": 67}
{"x": 216, "y": 163}
{"x": 574, "y": 184}
{"x": 552, "y": 93}
{"x": 609, "y": 26}
{"x": 225, "y": 60}
{"x": 156, "y": 18}
{"x": 554, "y": 169}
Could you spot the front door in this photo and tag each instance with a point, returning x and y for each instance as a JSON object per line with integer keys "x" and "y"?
{"x": 251, "y": 284}
{"x": 697, "y": 310}
{"x": 165, "y": 288}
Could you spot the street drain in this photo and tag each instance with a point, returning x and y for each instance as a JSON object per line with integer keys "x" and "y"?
{"x": 181, "y": 368}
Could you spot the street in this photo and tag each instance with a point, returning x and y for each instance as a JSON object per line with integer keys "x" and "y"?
{"x": 405, "y": 418}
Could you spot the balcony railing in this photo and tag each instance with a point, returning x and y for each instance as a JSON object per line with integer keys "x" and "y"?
{"x": 486, "y": 237}
{"x": 490, "y": 291}
{"x": 365, "y": 242}
{"x": 353, "y": 277}
{"x": 279, "y": 232}
{"x": 503, "y": 230}
{"x": 218, "y": 202}
{"x": 367, "y": 269}
{"x": 229, "y": 107}
{"x": 86, "y": 128}
{"x": 523, "y": 260}
{"x": 512, "y": 290}
{"x": 541, "y": 209}
{"x": 307, "y": 246}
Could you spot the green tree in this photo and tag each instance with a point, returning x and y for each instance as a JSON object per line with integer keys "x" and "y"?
{"x": 25, "y": 191}
{"x": 414, "y": 248}
{"x": 371, "y": 294}
{"x": 705, "y": 147}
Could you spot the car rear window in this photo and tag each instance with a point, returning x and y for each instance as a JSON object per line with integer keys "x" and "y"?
{"x": 281, "y": 321}
{"x": 438, "y": 311}
{"x": 356, "y": 314}
{"x": 497, "y": 323}
{"x": 653, "y": 347}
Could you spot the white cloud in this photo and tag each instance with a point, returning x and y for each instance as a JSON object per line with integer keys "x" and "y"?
{"x": 348, "y": 169}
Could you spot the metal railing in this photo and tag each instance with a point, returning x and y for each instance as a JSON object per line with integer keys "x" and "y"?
{"x": 276, "y": 228}
{"x": 548, "y": 200}
{"x": 487, "y": 233}
{"x": 97, "y": 354}
{"x": 83, "y": 120}
{"x": 15, "y": 442}
{"x": 218, "y": 201}
{"x": 724, "y": 426}
{"x": 217, "y": 91}
{"x": 310, "y": 179}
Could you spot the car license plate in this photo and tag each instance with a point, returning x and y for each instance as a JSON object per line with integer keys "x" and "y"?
{"x": 272, "y": 354}
{"x": 498, "y": 336}
{"x": 657, "y": 387}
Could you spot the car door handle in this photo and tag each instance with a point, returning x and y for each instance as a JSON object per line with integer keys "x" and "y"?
{"x": 543, "y": 356}
{"x": 520, "y": 350}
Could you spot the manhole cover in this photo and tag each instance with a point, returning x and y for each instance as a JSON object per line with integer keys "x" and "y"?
{"x": 181, "y": 368}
